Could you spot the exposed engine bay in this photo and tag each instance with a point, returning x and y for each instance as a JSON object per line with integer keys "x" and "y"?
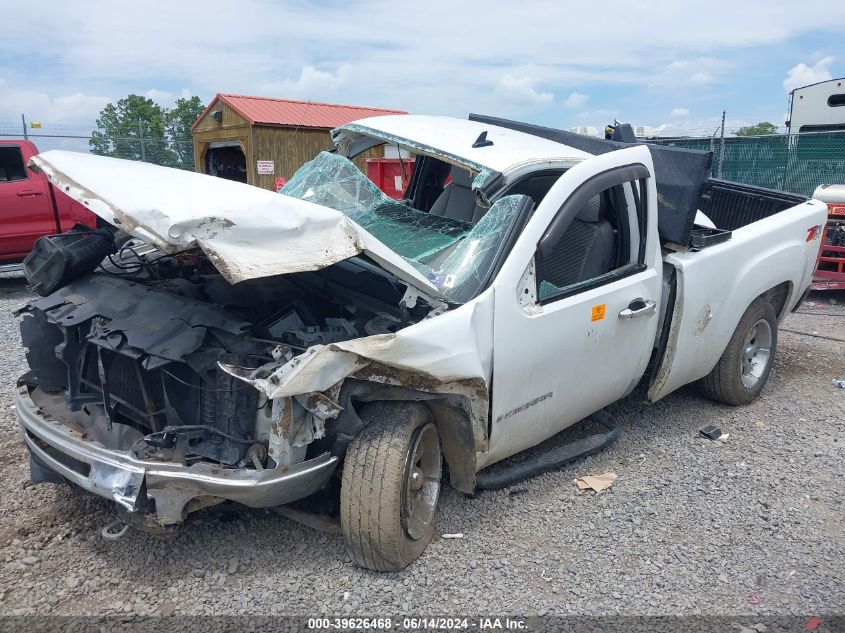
{"x": 136, "y": 350}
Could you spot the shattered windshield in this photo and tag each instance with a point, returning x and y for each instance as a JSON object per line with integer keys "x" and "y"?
{"x": 453, "y": 255}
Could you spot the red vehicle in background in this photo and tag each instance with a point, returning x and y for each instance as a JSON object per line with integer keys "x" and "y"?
{"x": 30, "y": 206}
{"x": 830, "y": 270}
{"x": 391, "y": 175}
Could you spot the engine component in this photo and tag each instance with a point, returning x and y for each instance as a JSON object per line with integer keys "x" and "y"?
{"x": 382, "y": 324}
{"x": 335, "y": 330}
{"x": 56, "y": 260}
{"x": 835, "y": 234}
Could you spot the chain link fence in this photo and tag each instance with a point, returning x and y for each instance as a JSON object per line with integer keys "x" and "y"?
{"x": 797, "y": 163}
{"x": 167, "y": 152}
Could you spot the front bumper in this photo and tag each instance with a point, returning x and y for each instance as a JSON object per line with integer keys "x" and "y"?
{"x": 131, "y": 482}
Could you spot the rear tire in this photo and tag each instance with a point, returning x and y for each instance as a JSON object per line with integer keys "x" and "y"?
{"x": 390, "y": 486}
{"x": 744, "y": 367}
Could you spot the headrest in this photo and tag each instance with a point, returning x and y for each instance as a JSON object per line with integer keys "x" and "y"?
{"x": 461, "y": 177}
{"x": 591, "y": 211}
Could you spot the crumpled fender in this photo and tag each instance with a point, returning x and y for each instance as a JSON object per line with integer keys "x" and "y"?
{"x": 447, "y": 354}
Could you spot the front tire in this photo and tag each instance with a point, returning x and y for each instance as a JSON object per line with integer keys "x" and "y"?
{"x": 744, "y": 367}
{"x": 390, "y": 486}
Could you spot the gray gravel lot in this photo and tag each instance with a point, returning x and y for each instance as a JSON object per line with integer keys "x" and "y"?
{"x": 750, "y": 526}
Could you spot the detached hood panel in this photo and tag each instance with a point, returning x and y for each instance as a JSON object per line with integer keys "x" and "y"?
{"x": 245, "y": 231}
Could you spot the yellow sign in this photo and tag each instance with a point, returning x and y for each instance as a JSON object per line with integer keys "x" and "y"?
{"x": 598, "y": 312}
{"x": 35, "y": 125}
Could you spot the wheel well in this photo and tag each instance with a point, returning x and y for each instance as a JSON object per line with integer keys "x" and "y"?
{"x": 778, "y": 297}
{"x": 453, "y": 424}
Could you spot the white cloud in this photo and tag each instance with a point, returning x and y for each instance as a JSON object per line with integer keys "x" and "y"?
{"x": 161, "y": 97}
{"x": 678, "y": 112}
{"x": 802, "y": 75}
{"x": 521, "y": 90}
{"x": 311, "y": 84}
{"x": 700, "y": 78}
{"x": 70, "y": 109}
{"x": 690, "y": 72}
{"x": 575, "y": 100}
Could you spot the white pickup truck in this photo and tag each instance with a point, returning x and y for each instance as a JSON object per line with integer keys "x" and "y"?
{"x": 269, "y": 346}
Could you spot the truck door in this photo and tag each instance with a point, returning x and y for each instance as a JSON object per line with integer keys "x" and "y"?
{"x": 576, "y": 301}
{"x": 26, "y": 210}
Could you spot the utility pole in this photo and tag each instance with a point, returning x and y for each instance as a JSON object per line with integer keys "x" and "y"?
{"x": 721, "y": 147}
{"x": 141, "y": 137}
{"x": 23, "y": 122}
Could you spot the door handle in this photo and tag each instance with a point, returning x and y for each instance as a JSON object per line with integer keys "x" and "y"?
{"x": 29, "y": 192}
{"x": 638, "y": 307}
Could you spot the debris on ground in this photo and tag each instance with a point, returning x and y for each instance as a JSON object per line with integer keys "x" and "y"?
{"x": 456, "y": 535}
{"x": 711, "y": 432}
{"x": 596, "y": 482}
{"x": 839, "y": 383}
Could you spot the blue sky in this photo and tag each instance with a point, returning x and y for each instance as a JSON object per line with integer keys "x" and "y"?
{"x": 670, "y": 65}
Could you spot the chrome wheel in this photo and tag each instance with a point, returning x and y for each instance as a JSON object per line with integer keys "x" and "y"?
{"x": 421, "y": 486}
{"x": 756, "y": 353}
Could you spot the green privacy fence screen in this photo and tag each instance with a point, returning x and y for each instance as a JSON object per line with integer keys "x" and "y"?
{"x": 797, "y": 163}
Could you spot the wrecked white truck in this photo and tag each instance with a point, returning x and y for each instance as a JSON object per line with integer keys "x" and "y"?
{"x": 262, "y": 347}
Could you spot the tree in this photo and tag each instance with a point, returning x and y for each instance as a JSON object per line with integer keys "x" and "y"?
{"x": 761, "y": 129}
{"x": 178, "y": 123}
{"x": 133, "y": 129}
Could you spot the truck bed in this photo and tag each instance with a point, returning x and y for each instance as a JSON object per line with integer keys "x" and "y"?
{"x": 772, "y": 252}
{"x": 732, "y": 205}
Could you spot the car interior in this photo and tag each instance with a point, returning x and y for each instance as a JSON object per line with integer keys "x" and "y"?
{"x": 594, "y": 244}
{"x": 11, "y": 164}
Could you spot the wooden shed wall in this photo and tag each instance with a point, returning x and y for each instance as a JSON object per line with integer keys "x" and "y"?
{"x": 290, "y": 148}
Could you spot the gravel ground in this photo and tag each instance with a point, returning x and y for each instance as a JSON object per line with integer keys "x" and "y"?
{"x": 750, "y": 526}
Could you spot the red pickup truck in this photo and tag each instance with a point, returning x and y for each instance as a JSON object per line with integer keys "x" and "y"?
{"x": 29, "y": 205}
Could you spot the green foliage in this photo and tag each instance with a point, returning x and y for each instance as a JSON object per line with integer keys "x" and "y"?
{"x": 137, "y": 128}
{"x": 760, "y": 129}
{"x": 178, "y": 124}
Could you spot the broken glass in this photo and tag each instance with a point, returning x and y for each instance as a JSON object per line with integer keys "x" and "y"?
{"x": 464, "y": 271}
{"x": 333, "y": 181}
{"x": 484, "y": 177}
{"x": 467, "y": 252}
{"x": 547, "y": 290}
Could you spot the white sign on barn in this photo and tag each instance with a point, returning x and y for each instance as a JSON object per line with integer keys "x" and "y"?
{"x": 265, "y": 166}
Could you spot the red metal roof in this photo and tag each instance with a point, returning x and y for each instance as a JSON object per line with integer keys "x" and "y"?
{"x": 267, "y": 111}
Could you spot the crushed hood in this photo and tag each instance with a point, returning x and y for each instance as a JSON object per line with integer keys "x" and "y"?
{"x": 247, "y": 232}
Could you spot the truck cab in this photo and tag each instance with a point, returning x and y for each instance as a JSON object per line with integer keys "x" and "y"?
{"x": 29, "y": 206}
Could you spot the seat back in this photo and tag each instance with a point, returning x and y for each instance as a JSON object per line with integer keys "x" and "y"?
{"x": 458, "y": 201}
{"x": 584, "y": 251}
